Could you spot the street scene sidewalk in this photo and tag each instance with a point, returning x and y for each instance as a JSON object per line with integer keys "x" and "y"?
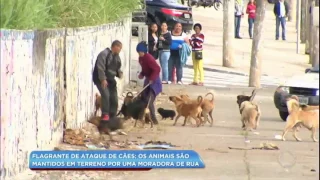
{"x": 279, "y": 60}
{"x": 293, "y": 161}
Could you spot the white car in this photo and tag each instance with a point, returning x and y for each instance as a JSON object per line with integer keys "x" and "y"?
{"x": 306, "y": 87}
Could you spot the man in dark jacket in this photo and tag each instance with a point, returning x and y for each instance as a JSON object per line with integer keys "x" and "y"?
{"x": 281, "y": 10}
{"x": 107, "y": 67}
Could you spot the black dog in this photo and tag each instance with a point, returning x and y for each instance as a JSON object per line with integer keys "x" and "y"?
{"x": 113, "y": 124}
{"x": 135, "y": 109}
{"x": 166, "y": 113}
{"x": 128, "y": 99}
{"x": 242, "y": 98}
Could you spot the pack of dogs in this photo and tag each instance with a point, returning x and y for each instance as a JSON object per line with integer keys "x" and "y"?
{"x": 201, "y": 108}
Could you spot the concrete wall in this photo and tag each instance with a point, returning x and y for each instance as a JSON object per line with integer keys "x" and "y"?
{"x": 46, "y": 84}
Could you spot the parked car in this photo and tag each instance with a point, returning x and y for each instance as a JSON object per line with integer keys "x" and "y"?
{"x": 306, "y": 87}
{"x": 170, "y": 11}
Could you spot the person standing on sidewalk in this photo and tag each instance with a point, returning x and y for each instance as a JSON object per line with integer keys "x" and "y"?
{"x": 251, "y": 11}
{"x": 237, "y": 19}
{"x": 150, "y": 70}
{"x": 106, "y": 68}
{"x": 281, "y": 10}
{"x": 164, "y": 43}
{"x": 153, "y": 40}
{"x": 196, "y": 42}
{"x": 178, "y": 38}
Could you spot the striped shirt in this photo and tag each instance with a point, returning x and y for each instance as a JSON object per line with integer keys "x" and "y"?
{"x": 196, "y": 42}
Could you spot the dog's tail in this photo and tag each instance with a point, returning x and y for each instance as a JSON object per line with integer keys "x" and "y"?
{"x": 253, "y": 94}
{"x": 200, "y": 100}
{"x": 212, "y": 95}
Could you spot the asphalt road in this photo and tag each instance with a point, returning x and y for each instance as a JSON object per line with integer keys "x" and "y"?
{"x": 223, "y": 163}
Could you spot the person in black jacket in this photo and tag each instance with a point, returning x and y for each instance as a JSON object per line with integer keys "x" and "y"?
{"x": 107, "y": 67}
{"x": 163, "y": 46}
{"x": 281, "y": 10}
{"x": 153, "y": 40}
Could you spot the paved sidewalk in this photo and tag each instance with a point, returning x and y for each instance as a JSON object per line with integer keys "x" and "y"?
{"x": 279, "y": 58}
{"x": 279, "y": 62}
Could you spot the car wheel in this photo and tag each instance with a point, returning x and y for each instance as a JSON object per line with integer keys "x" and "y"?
{"x": 283, "y": 115}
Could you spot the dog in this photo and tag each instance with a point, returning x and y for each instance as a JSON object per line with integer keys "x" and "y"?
{"x": 298, "y": 116}
{"x": 106, "y": 127}
{"x": 187, "y": 109}
{"x": 139, "y": 110}
{"x": 250, "y": 115}
{"x": 166, "y": 113}
{"x": 97, "y": 103}
{"x": 207, "y": 107}
{"x": 128, "y": 99}
{"x": 242, "y": 98}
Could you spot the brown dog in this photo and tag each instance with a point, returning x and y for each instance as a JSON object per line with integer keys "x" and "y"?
{"x": 207, "y": 107}
{"x": 250, "y": 115}
{"x": 187, "y": 109}
{"x": 97, "y": 103}
{"x": 297, "y": 115}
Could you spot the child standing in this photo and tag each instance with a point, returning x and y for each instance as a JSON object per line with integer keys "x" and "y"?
{"x": 251, "y": 11}
{"x": 196, "y": 42}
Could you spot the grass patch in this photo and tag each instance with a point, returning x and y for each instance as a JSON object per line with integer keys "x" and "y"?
{"x": 41, "y": 14}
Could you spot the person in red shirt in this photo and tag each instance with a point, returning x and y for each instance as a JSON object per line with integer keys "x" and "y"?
{"x": 196, "y": 42}
{"x": 251, "y": 11}
{"x": 150, "y": 70}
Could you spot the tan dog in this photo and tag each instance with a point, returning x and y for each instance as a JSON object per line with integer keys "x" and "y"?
{"x": 97, "y": 103}
{"x": 250, "y": 115}
{"x": 308, "y": 118}
{"x": 207, "y": 107}
{"x": 187, "y": 109}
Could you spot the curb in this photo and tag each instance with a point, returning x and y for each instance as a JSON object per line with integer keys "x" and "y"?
{"x": 220, "y": 71}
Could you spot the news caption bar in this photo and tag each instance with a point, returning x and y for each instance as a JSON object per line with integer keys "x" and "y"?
{"x": 112, "y": 159}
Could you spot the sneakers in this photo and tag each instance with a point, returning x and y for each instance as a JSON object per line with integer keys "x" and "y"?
{"x": 169, "y": 82}
{"x": 105, "y": 118}
{"x": 180, "y": 83}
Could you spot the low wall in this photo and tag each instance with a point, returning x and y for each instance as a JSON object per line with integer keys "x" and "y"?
{"x": 46, "y": 86}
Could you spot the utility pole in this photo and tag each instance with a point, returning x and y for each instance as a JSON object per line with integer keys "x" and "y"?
{"x": 228, "y": 33}
{"x": 256, "y": 51}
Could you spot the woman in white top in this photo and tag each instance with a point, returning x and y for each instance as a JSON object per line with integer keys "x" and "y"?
{"x": 178, "y": 38}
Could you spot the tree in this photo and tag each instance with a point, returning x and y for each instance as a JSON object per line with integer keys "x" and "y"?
{"x": 303, "y": 21}
{"x": 228, "y": 33}
{"x": 256, "y": 51}
{"x": 293, "y": 10}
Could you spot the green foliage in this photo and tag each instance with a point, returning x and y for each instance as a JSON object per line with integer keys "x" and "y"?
{"x": 40, "y": 14}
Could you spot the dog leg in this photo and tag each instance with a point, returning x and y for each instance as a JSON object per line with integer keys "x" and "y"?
{"x": 95, "y": 112}
{"x": 185, "y": 121}
{"x": 210, "y": 114}
{"x": 286, "y": 129}
{"x": 313, "y": 130}
{"x": 151, "y": 122}
{"x": 295, "y": 134}
{"x": 135, "y": 123}
{"x": 175, "y": 121}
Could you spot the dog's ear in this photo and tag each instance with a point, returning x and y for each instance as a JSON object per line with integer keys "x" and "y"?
{"x": 129, "y": 94}
{"x": 239, "y": 97}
